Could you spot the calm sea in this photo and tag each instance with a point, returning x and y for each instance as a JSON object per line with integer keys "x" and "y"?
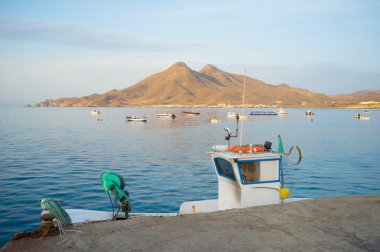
{"x": 61, "y": 152}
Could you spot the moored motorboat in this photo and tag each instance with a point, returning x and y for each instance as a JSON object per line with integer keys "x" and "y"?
{"x": 264, "y": 113}
{"x": 248, "y": 176}
{"x": 281, "y": 111}
{"x": 361, "y": 117}
{"x": 95, "y": 112}
{"x": 215, "y": 120}
{"x": 309, "y": 113}
{"x": 190, "y": 113}
{"x": 166, "y": 115}
{"x": 136, "y": 119}
{"x": 233, "y": 115}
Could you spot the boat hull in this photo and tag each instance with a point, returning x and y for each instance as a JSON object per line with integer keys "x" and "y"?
{"x": 86, "y": 215}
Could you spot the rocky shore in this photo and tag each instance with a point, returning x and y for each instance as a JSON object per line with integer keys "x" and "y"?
{"x": 350, "y": 223}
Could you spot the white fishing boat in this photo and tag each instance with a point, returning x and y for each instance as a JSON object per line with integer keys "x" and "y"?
{"x": 95, "y": 112}
{"x": 281, "y": 111}
{"x": 248, "y": 176}
{"x": 136, "y": 119}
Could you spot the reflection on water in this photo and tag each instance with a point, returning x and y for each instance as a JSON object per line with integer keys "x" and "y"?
{"x": 61, "y": 152}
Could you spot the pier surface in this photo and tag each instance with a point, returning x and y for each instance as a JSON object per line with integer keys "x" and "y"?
{"x": 350, "y": 223}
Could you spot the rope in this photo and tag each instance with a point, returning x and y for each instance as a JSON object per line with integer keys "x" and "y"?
{"x": 55, "y": 208}
{"x": 62, "y": 232}
{"x": 114, "y": 203}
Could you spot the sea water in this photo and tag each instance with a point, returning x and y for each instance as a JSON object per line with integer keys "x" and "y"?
{"x": 60, "y": 153}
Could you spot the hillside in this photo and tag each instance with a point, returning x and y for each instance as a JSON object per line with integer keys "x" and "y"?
{"x": 181, "y": 86}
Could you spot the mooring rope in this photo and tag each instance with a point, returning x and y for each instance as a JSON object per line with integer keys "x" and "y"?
{"x": 55, "y": 208}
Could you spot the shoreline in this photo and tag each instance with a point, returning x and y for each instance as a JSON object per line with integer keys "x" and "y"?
{"x": 343, "y": 223}
{"x": 216, "y": 106}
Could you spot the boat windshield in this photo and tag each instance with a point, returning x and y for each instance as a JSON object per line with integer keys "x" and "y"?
{"x": 259, "y": 171}
{"x": 224, "y": 168}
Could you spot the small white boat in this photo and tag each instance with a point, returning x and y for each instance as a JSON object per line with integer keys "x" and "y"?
{"x": 231, "y": 114}
{"x": 95, "y": 112}
{"x": 366, "y": 118}
{"x": 215, "y": 120}
{"x": 234, "y": 115}
{"x": 166, "y": 115}
{"x": 136, "y": 119}
{"x": 263, "y": 113}
{"x": 281, "y": 111}
{"x": 309, "y": 113}
{"x": 361, "y": 117}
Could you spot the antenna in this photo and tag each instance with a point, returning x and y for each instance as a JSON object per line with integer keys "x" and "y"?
{"x": 242, "y": 109}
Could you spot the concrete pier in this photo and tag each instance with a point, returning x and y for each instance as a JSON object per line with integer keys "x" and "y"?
{"x": 349, "y": 223}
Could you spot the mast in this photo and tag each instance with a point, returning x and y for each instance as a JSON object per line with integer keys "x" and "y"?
{"x": 242, "y": 108}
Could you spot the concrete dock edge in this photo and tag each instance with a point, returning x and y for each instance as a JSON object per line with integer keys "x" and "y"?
{"x": 349, "y": 223}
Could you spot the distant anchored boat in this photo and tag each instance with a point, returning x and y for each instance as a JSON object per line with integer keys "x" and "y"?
{"x": 235, "y": 115}
{"x": 231, "y": 114}
{"x": 361, "y": 117}
{"x": 263, "y": 113}
{"x": 190, "y": 113}
{"x": 309, "y": 113}
{"x": 281, "y": 111}
{"x": 166, "y": 115}
{"x": 136, "y": 119}
{"x": 95, "y": 112}
{"x": 215, "y": 120}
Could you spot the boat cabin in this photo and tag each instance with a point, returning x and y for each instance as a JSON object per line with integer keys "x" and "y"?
{"x": 244, "y": 180}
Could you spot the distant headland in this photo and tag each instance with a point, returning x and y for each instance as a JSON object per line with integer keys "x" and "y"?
{"x": 180, "y": 86}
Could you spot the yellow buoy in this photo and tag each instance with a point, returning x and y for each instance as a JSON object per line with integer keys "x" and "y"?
{"x": 284, "y": 193}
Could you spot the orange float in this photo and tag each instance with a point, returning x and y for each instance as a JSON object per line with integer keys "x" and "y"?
{"x": 247, "y": 149}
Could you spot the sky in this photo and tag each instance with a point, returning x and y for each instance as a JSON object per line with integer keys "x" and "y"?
{"x": 72, "y": 48}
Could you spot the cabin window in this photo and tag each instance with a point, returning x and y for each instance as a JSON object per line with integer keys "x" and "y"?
{"x": 259, "y": 171}
{"x": 224, "y": 168}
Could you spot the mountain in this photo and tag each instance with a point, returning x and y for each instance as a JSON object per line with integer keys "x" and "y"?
{"x": 359, "y": 96}
{"x": 181, "y": 86}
